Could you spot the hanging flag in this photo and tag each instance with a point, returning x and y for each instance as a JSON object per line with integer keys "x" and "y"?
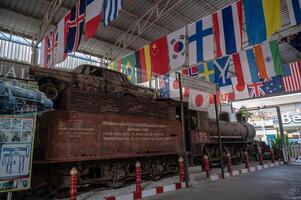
{"x": 218, "y": 99}
{"x": 191, "y": 71}
{"x": 273, "y": 85}
{"x": 159, "y": 56}
{"x": 176, "y": 48}
{"x": 111, "y": 10}
{"x": 227, "y": 24}
{"x": 294, "y": 40}
{"x": 206, "y": 71}
{"x": 168, "y": 86}
{"x": 128, "y": 67}
{"x": 268, "y": 59}
{"x": 294, "y": 11}
{"x": 256, "y": 89}
{"x": 198, "y": 100}
{"x": 93, "y": 17}
{"x": 226, "y": 93}
{"x": 240, "y": 91}
{"x": 164, "y": 84}
{"x": 62, "y": 31}
{"x": 262, "y": 19}
{"x": 221, "y": 69}
{"x": 245, "y": 67}
{"x": 200, "y": 40}
{"x": 292, "y": 82}
{"x": 49, "y": 45}
{"x": 143, "y": 64}
{"x": 116, "y": 65}
{"x": 75, "y": 26}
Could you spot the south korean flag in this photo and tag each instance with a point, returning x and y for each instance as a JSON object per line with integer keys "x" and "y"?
{"x": 176, "y": 48}
{"x": 198, "y": 100}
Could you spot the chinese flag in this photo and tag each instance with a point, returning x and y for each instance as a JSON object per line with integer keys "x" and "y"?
{"x": 159, "y": 56}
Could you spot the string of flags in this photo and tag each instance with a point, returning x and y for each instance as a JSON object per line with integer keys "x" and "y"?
{"x": 219, "y": 35}
{"x": 84, "y": 18}
{"x": 289, "y": 81}
{"x": 210, "y": 45}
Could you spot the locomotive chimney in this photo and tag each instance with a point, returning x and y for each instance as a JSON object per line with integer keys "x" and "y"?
{"x": 224, "y": 116}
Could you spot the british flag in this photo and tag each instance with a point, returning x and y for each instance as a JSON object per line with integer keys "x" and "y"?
{"x": 75, "y": 25}
{"x": 256, "y": 89}
{"x": 191, "y": 71}
{"x": 49, "y": 46}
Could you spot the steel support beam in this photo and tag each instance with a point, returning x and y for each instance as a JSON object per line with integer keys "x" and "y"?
{"x": 47, "y": 19}
{"x": 142, "y": 24}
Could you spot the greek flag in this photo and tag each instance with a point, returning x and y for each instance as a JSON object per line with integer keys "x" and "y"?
{"x": 110, "y": 10}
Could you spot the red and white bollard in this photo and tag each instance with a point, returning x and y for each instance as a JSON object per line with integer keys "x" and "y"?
{"x": 137, "y": 193}
{"x": 73, "y": 183}
{"x": 229, "y": 163}
{"x": 246, "y": 158}
{"x": 272, "y": 156}
{"x": 181, "y": 169}
{"x": 260, "y": 157}
{"x": 206, "y": 165}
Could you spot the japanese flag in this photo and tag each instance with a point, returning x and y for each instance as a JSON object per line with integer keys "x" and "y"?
{"x": 173, "y": 86}
{"x": 240, "y": 91}
{"x": 198, "y": 100}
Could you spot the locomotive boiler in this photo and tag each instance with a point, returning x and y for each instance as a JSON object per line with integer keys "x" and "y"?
{"x": 235, "y": 136}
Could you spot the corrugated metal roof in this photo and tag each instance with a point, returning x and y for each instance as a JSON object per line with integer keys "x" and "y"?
{"x": 25, "y": 17}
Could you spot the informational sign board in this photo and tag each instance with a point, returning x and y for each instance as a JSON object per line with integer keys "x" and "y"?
{"x": 11, "y": 69}
{"x": 198, "y": 136}
{"x": 197, "y": 83}
{"x": 289, "y": 120}
{"x": 16, "y": 146}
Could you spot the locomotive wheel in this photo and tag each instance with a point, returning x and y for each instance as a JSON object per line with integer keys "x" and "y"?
{"x": 117, "y": 175}
{"x": 50, "y": 90}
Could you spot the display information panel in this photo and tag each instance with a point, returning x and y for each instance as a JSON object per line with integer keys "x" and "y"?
{"x": 16, "y": 146}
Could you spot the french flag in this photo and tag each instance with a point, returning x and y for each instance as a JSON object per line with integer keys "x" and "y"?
{"x": 227, "y": 25}
{"x": 245, "y": 67}
{"x": 294, "y": 10}
{"x": 93, "y": 17}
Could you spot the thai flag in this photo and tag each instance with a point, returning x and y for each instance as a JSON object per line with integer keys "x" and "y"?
{"x": 110, "y": 10}
{"x": 245, "y": 67}
{"x": 75, "y": 26}
{"x": 294, "y": 10}
{"x": 93, "y": 17}
{"x": 227, "y": 25}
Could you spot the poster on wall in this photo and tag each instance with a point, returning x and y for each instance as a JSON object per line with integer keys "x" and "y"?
{"x": 16, "y": 146}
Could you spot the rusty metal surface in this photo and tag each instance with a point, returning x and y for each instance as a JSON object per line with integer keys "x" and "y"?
{"x": 74, "y": 99}
{"x": 85, "y": 78}
{"x": 74, "y": 136}
{"x": 232, "y": 129}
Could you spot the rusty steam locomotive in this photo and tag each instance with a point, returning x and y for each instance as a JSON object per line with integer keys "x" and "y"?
{"x": 103, "y": 124}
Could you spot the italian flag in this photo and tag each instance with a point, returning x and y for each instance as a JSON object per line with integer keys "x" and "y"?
{"x": 268, "y": 59}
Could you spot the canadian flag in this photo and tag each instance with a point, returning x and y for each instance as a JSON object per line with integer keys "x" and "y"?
{"x": 198, "y": 100}
{"x": 240, "y": 91}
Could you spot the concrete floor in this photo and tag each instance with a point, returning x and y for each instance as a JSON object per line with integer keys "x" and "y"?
{"x": 276, "y": 183}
